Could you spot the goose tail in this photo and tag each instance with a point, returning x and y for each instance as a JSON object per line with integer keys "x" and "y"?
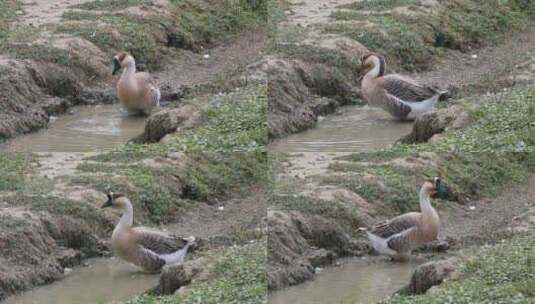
{"x": 380, "y": 244}
{"x": 178, "y": 256}
{"x": 418, "y": 108}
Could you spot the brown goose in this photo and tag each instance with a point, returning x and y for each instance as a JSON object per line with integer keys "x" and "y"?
{"x": 399, "y": 95}
{"x": 397, "y": 237}
{"x": 146, "y": 248}
{"x": 136, "y": 91}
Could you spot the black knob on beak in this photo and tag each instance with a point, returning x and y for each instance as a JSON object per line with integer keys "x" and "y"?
{"x": 108, "y": 203}
{"x": 116, "y": 66}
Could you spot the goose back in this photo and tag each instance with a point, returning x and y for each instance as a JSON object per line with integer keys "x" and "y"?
{"x": 397, "y": 224}
{"x": 158, "y": 242}
{"x": 406, "y": 88}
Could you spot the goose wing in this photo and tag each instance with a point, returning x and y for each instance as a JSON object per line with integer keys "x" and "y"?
{"x": 403, "y": 241}
{"x": 149, "y": 89}
{"x": 397, "y": 225}
{"x": 395, "y": 106}
{"x": 157, "y": 242}
{"x": 407, "y": 89}
{"x": 144, "y": 78}
{"x": 149, "y": 260}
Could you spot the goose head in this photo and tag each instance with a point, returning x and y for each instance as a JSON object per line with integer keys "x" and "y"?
{"x": 373, "y": 65}
{"x": 433, "y": 187}
{"x": 117, "y": 200}
{"x": 122, "y": 60}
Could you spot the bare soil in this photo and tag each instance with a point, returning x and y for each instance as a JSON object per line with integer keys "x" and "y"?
{"x": 311, "y": 12}
{"x": 41, "y": 12}
{"x": 488, "y": 217}
{"x": 507, "y": 63}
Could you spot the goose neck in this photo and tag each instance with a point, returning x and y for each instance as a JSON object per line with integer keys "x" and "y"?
{"x": 377, "y": 70}
{"x": 127, "y": 219}
{"x": 130, "y": 69}
{"x": 425, "y": 201}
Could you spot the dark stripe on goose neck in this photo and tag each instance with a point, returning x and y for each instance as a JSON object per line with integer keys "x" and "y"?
{"x": 382, "y": 65}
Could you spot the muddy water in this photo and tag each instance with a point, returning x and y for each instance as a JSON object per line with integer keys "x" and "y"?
{"x": 355, "y": 281}
{"x": 355, "y": 129}
{"x": 103, "y": 281}
{"x": 87, "y": 128}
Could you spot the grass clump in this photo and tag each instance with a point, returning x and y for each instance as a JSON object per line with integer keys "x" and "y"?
{"x": 190, "y": 24}
{"x": 111, "y": 5}
{"x": 229, "y": 122}
{"x": 160, "y": 192}
{"x": 61, "y": 207}
{"x": 395, "y": 186}
{"x": 476, "y": 23}
{"x": 398, "y": 41}
{"x": 16, "y": 174}
{"x": 525, "y": 6}
{"x": 13, "y": 170}
{"x": 465, "y": 176}
{"x": 8, "y": 14}
{"x": 212, "y": 175}
{"x": 341, "y": 212}
{"x": 502, "y": 273}
{"x": 151, "y": 191}
{"x": 204, "y": 23}
{"x": 135, "y": 34}
{"x": 378, "y": 5}
{"x": 413, "y": 41}
{"x": 232, "y": 122}
{"x": 38, "y": 52}
{"x": 314, "y": 54}
{"x": 238, "y": 276}
{"x": 500, "y": 123}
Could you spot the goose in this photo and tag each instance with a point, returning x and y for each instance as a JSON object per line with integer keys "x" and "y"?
{"x": 401, "y": 96}
{"x": 141, "y": 246}
{"x": 398, "y": 236}
{"x": 136, "y": 91}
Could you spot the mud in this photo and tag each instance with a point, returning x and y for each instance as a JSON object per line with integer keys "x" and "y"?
{"x": 298, "y": 243}
{"x": 41, "y": 247}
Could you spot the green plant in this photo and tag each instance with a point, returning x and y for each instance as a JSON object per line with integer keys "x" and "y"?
{"x": 238, "y": 276}
{"x": 503, "y": 273}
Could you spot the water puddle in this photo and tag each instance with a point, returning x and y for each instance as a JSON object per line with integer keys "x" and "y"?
{"x": 355, "y": 281}
{"x": 88, "y": 128}
{"x": 103, "y": 281}
{"x": 356, "y": 129}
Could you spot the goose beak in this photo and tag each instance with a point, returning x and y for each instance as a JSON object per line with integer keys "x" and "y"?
{"x": 439, "y": 188}
{"x": 116, "y": 66}
{"x": 107, "y": 203}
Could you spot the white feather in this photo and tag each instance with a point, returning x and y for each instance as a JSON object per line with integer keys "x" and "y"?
{"x": 380, "y": 244}
{"x": 178, "y": 256}
{"x": 419, "y": 108}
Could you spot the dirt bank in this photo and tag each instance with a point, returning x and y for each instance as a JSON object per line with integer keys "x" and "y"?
{"x": 37, "y": 246}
